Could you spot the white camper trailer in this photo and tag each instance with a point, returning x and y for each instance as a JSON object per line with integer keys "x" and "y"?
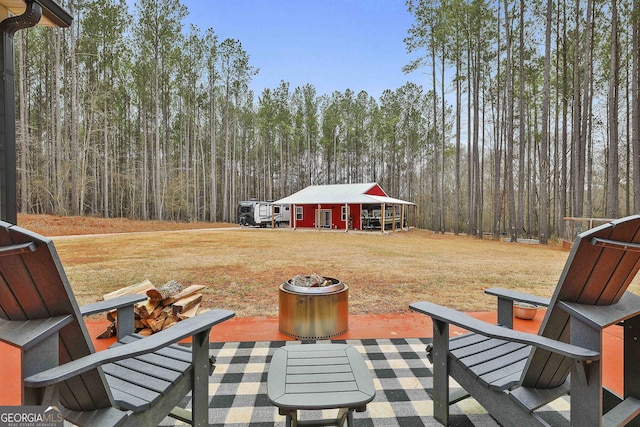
{"x": 263, "y": 214}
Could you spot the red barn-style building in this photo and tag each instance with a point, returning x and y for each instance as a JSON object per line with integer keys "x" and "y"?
{"x": 348, "y": 207}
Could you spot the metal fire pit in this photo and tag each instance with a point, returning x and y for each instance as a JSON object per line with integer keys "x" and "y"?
{"x": 314, "y": 312}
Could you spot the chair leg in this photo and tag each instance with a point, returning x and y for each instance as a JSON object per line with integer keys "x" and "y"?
{"x": 586, "y": 378}
{"x": 200, "y": 381}
{"x": 631, "y": 351}
{"x": 125, "y": 321}
{"x": 40, "y": 357}
{"x": 631, "y": 368}
{"x": 440, "y": 354}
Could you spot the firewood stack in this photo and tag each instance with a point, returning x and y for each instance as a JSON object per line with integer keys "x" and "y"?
{"x": 165, "y": 306}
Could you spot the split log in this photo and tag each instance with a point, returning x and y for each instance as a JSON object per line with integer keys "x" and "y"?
{"x": 155, "y": 324}
{"x": 189, "y": 313}
{"x": 190, "y": 290}
{"x": 109, "y": 332}
{"x": 165, "y": 291}
{"x": 144, "y": 309}
{"x": 156, "y": 312}
{"x": 137, "y": 288}
{"x": 170, "y": 321}
{"x": 145, "y": 332}
{"x": 186, "y": 303}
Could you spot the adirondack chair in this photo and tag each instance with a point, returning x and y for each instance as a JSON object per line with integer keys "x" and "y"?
{"x": 137, "y": 382}
{"x": 511, "y": 373}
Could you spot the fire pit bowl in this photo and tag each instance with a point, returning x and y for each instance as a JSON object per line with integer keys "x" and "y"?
{"x": 314, "y": 312}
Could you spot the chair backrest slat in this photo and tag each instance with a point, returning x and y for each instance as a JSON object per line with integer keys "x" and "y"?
{"x": 594, "y": 274}
{"x": 33, "y": 285}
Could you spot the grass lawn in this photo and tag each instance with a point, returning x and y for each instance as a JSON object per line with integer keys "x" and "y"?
{"x": 243, "y": 267}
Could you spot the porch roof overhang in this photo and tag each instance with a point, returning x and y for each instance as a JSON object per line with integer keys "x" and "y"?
{"x": 52, "y": 14}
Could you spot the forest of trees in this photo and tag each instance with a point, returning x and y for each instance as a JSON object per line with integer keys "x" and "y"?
{"x": 528, "y": 112}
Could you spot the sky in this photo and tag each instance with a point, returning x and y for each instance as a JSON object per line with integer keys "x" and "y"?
{"x": 332, "y": 44}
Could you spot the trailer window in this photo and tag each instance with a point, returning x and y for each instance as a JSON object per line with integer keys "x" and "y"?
{"x": 298, "y": 213}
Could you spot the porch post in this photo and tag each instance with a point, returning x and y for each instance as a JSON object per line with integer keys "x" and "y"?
{"x": 393, "y": 217}
{"x": 8, "y": 27}
{"x": 8, "y": 209}
{"x": 346, "y": 217}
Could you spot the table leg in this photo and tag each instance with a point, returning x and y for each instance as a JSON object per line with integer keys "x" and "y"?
{"x": 291, "y": 419}
{"x": 345, "y": 414}
{"x": 342, "y": 416}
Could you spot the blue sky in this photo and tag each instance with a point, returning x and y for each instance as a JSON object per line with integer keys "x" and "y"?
{"x": 332, "y": 44}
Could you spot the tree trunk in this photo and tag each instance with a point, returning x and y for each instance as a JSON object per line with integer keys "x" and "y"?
{"x": 635, "y": 105}
{"x": 105, "y": 162}
{"x": 585, "y": 119}
{"x": 520, "y": 228}
{"x": 544, "y": 139}
{"x": 75, "y": 202}
{"x": 612, "y": 158}
{"x": 57, "y": 123}
{"x": 509, "y": 137}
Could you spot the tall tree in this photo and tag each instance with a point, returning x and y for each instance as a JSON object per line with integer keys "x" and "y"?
{"x": 612, "y": 158}
{"x": 580, "y": 166}
{"x": 211, "y": 48}
{"x": 235, "y": 73}
{"x": 509, "y": 162}
{"x": 158, "y": 32}
{"x": 544, "y": 138}
{"x": 635, "y": 104}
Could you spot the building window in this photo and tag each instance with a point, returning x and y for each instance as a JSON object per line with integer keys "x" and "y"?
{"x": 344, "y": 214}
{"x": 298, "y": 213}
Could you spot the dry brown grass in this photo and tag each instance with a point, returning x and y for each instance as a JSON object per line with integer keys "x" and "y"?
{"x": 53, "y": 225}
{"x": 243, "y": 267}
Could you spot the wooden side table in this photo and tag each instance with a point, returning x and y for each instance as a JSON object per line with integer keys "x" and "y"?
{"x": 319, "y": 376}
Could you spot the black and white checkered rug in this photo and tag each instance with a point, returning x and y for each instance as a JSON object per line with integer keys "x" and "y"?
{"x": 401, "y": 374}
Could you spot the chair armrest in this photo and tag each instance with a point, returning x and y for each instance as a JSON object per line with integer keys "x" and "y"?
{"x": 111, "y": 304}
{"x": 517, "y": 296}
{"x": 602, "y": 316}
{"x": 469, "y": 323}
{"x": 179, "y": 331}
{"x": 28, "y": 333}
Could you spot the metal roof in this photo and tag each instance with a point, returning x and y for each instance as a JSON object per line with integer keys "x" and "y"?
{"x": 339, "y": 194}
